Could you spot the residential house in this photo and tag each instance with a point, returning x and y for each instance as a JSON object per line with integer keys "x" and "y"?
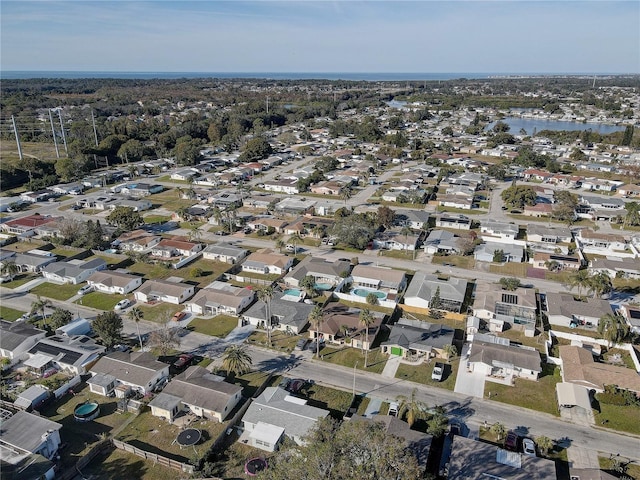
{"x": 415, "y": 339}
{"x": 114, "y": 282}
{"x": 341, "y": 325}
{"x": 267, "y": 223}
{"x": 32, "y": 262}
{"x": 564, "y": 310}
{"x": 579, "y": 367}
{"x": 330, "y": 187}
{"x": 200, "y": 392}
{"x": 220, "y": 298}
{"x": 499, "y": 231}
{"x": 629, "y": 190}
{"x": 538, "y": 210}
{"x": 517, "y": 307}
{"x": 274, "y": 414}
{"x": 140, "y": 189}
{"x": 449, "y": 220}
{"x": 414, "y": 219}
{"x": 175, "y": 247}
{"x": 73, "y": 271}
{"x": 138, "y": 241}
{"x": 547, "y": 234}
{"x": 224, "y": 252}
{"x": 473, "y": 460}
{"x": 310, "y": 225}
{"x": 503, "y": 362}
{"x": 28, "y": 224}
{"x": 123, "y": 372}
{"x": 289, "y": 186}
{"x": 39, "y": 196}
{"x": 601, "y": 243}
{"x": 458, "y": 200}
{"x": 600, "y": 208}
{"x": 487, "y": 252}
{"x": 631, "y": 314}
{"x": 16, "y": 338}
{"x": 26, "y": 432}
{"x": 326, "y": 275}
{"x": 396, "y": 240}
{"x": 225, "y": 199}
{"x": 327, "y": 207}
{"x": 288, "y": 314}
{"x": 599, "y": 185}
{"x": 555, "y": 262}
{"x": 164, "y": 291}
{"x": 295, "y": 205}
{"x": 616, "y": 267}
{"x": 533, "y": 174}
{"x": 420, "y": 292}
{"x": 378, "y": 278}
{"x": 72, "y": 354}
{"x": 442, "y": 241}
{"x": 267, "y": 261}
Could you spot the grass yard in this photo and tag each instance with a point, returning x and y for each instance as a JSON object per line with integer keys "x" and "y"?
{"x": 633, "y": 469}
{"x": 190, "y": 225}
{"x": 348, "y": 357}
{"x": 218, "y": 326}
{"x": 252, "y": 381}
{"x": 202, "y": 272}
{"x": 154, "y": 218}
{"x": 20, "y": 280}
{"x": 99, "y": 300}
{"x": 510, "y": 268}
{"x": 422, "y": 374}
{"x": 55, "y": 291}
{"x": 81, "y": 436}
{"x": 64, "y": 251}
{"x": 160, "y": 312}
{"x": 156, "y": 435}
{"x": 230, "y": 462}
{"x": 9, "y": 313}
{"x": 540, "y": 395}
{"x": 403, "y": 254}
{"x": 279, "y": 340}
{"x": 577, "y": 331}
{"x": 115, "y": 463}
{"x": 518, "y": 336}
{"x": 463, "y": 211}
{"x": 619, "y": 417}
{"x": 152, "y": 270}
{"x": 336, "y": 401}
{"x": 459, "y": 261}
{"x": 170, "y": 200}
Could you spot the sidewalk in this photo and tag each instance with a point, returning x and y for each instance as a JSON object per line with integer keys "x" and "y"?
{"x": 29, "y": 285}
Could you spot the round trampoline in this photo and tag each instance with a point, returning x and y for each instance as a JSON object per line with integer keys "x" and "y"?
{"x": 188, "y": 437}
{"x": 255, "y": 466}
{"x": 86, "y": 412}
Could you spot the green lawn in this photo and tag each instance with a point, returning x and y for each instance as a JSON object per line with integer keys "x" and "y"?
{"x": 336, "y": 401}
{"x": 405, "y": 255}
{"x": 170, "y": 200}
{"x": 460, "y": 261}
{"x": 619, "y": 417}
{"x": 209, "y": 271}
{"x": 540, "y": 395}
{"x": 20, "y": 280}
{"x": 348, "y": 357}
{"x": 218, "y": 326}
{"x": 190, "y": 225}
{"x": 633, "y": 469}
{"x": 510, "y": 268}
{"x": 279, "y": 340}
{"x": 160, "y": 312}
{"x": 9, "y": 313}
{"x": 99, "y": 300}
{"x": 55, "y": 291}
{"x": 463, "y": 211}
{"x": 115, "y": 463}
{"x": 156, "y": 435}
{"x": 250, "y": 382}
{"x": 154, "y": 218}
{"x": 422, "y": 374}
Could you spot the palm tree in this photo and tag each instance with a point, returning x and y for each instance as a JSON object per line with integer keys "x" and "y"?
{"x": 498, "y": 430}
{"x": 133, "y": 171}
{"x": 194, "y": 233}
{"x": 450, "y": 350}
{"x": 371, "y": 298}
{"x": 413, "y": 408}
{"x": 545, "y": 444}
{"x": 279, "y": 244}
{"x": 180, "y": 191}
{"x": 579, "y": 279}
{"x": 366, "y": 320}
{"x": 136, "y": 314}
{"x": 40, "y": 304}
{"x": 295, "y": 239}
{"x": 613, "y": 328}
{"x": 265, "y": 294}
{"x": 308, "y": 284}
{"x": 315, "y": 319}
{"x": 10, "y": 268}
{"x": 406, "y": 230}
{"x": 632, "y": 216}
{"x": 236, "y": 360}
{"x": 346, "y": 193}
{"x": 600, "y": 284}
{"x": 216, "y": 214}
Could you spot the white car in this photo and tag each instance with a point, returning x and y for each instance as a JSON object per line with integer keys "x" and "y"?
{"x": 85, "y": 289}
{"x": 122, "y": 304}
{"x": 528, "y": 447}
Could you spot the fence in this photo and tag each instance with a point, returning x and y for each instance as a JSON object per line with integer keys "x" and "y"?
{"x": 254, "y": 281}
{"x": 159, "y": 459}
{"x": 65, "y": 388}
{"x": 187, "y": 260}
{"x": 72, "y": 472}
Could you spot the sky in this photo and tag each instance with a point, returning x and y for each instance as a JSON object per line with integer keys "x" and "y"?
{"x": 540, "y": 36}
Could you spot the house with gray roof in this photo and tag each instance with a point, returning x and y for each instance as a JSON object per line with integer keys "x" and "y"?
{"x": 220, "y": 298}
{"x": 616, "y": 267}
{"x": 497, "y": 306}
{"x": 423, "y": 287}
{"x": 368, "y": 276}
{"x": 199, "y": 391}
{"x": 114, "y": 282}
{"x": 552, "y": 235}
{"x": 325, "y": 274}
{"x": 16, "y": 338}
{"x": 499, "y": 230}
{"x": 504, "y": 363}
{"x": 138, "y": 371}
{"x": 564, "y": 310}
{"x": 450, "y": 220}
{"x": 28, "y": 261}
{"x": 417, "y": 339}
{"x": 164, "y": 291}
{"x": 288, "y": 313}
{"x": 30, "y": 433}
{"x": 72, "y": 354}
{"x": 442, "y": 241}
{"x": 274, "y": 414}
{"x": 73, "y": 271}
{"x": 224, "y": 252}
{"x": 415, "y": 219}
{"x": 485, "y": 252}
{"x": 267, "y": 261}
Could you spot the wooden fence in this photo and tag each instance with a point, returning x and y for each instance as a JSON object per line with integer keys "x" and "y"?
{"x": 159, "y": 459}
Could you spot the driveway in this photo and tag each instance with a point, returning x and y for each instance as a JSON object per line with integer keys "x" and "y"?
{"x": 469, "y": 383}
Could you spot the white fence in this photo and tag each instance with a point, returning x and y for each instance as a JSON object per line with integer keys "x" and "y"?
{"x": 65, "y": 388}
{"x": 185, "y": 261}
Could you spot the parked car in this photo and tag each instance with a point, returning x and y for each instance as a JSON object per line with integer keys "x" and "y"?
{"x": 49, "y": 372}
{"x": 85, "y": 289}
{"x": 179, "y": 316}
{"x": 393, "y": 409}
{"x": 511, "y": 442}
{"x": 529, "y": 447}
{"x": 295, "y": 385}
{"x": 183, "y": 360}
{"x": 122, "y": 304}
{"x": 438, "y": 371}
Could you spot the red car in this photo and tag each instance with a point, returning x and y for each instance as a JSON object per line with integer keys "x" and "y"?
{"x": 179, "y": 316}
{"x": 183, "y": 360}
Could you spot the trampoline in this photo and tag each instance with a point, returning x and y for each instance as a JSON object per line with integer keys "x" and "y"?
{"x": 188, "y": 437}
{"x": 85, "y": 412}
{"x": 255, "y": 466}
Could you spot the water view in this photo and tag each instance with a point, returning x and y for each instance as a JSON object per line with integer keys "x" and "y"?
{"x": 533, "y": 125}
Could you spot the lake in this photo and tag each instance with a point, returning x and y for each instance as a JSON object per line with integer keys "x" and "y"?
{"x": 533, "y": 124}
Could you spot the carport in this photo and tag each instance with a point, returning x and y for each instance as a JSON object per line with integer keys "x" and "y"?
{"x": 574, "y": 403}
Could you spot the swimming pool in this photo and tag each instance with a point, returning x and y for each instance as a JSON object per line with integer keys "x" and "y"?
{"x": 323, "y": 286}
{"x": 294, "y": 292}
{"x": 363, "y": 292}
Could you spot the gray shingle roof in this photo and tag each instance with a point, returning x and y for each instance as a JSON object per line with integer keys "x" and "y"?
{"x": 138, "y": 368}
{"x": 424, "y": 286}
{"x": 288, "y": 313}
{"x": 12, "y": 334}
{"x": 24, "y": 430}
{"x": 419, "y": 335}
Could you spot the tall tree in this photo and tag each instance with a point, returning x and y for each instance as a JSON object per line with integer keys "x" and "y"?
{"x": 436, "y": 301}
{"x": 10, "y": 269}
{"x": 59, "y": 318}
{"x": 295, "y": 239}
{"x": 545, "y": 444}
{"x": 108, "y": 326}
{"x": 346, "y": 193}
{"x": 366, "y": 320}
{"x": 600, "y": 284}
{"x": 265, "y": 294}
{"x": 136, "y": 314}
{"x": 386, "y": 216}
{"x": 315, "y": 319}
{"x": 613, "y": 328}
{"x": 236, "y": 360}
{"x": 372, "y": 299}
{"x": 166, "y": 338}
{"x": 411, "y": 407}
{"x": 509, "y": 283}
{"x": 308, "y": 284}
{"x": 632, "y": 217}
{"x": 40, "y": 305}
{"x": 125, "y": 218}
{"x": 580, "y": 279}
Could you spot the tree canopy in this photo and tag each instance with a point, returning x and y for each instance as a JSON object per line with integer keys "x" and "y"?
{"x": 108, "y": 326}
{"x": 517, "y": 196}
{"x": 125, "y": 218}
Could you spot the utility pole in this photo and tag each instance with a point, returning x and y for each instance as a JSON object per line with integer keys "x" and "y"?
{"x": 53, "y": 132}
{"x": 64, "y": 137}
{"x": 15, "y": 131}
{"x": 267, "y": 104}
{"x": 95, "y": 133}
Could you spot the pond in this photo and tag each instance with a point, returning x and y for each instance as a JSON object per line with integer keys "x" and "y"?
{"x": 533, "y": 125}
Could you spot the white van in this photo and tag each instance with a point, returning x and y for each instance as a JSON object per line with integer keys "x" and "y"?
{"x": 393, "y": 409}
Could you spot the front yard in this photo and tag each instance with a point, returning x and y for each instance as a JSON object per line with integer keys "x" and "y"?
{"x": 422, "y": 373}
{"x": 56, "y": 291}
{"x": 202, "y": 271}
{"x": 20, "y": 280}
{"x": 99, "y": 300}
{"x": 466, "y": 262}
{"x": 619, "y": 417}
{"x": 348, "y": 357}
{"x": 511, "y": 269}
{"x": 160, "y": 312}
{"x": 218, "y": 326}
{"x": 10, "y": 314}
{"x": 279, "y": 340}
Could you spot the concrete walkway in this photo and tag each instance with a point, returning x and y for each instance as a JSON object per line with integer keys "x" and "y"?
{"x": 582, "y": 458}
{"x": 373, "y": 408}
{"x": 391, "y": 367}
{"x": 239, "y": 334}
{"x": 469, "y": 383}
{"x": 29, "y": 285}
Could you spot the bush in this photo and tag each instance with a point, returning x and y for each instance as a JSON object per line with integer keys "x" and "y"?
{"x": 611, "y": 399}
{"x": 617, "y": 396}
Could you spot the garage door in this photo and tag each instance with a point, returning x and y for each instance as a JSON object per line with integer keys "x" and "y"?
{"x": 396, "y": 351}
